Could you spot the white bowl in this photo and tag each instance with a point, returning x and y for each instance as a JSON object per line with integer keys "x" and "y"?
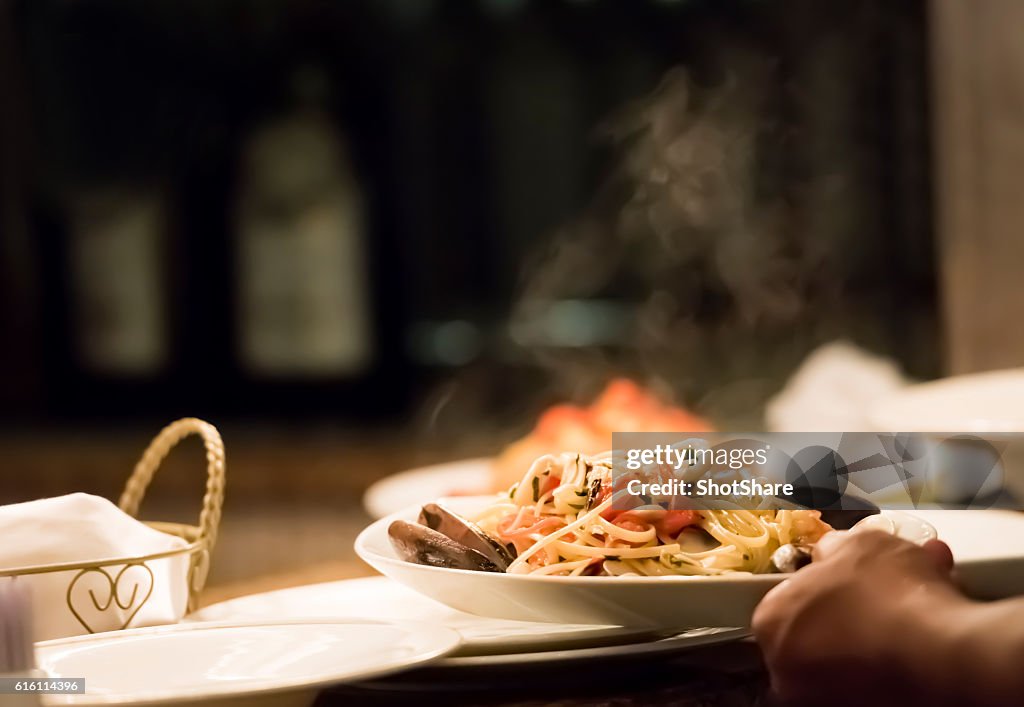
{"x": 662, "y": 603}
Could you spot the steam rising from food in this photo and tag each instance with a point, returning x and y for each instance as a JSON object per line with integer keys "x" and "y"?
{"x": 695, "y": 269}
{"x": 697, "y": 233}
{"x": 690, "y": 233}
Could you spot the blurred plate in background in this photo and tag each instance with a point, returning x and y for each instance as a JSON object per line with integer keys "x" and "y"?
{"x": 982, "y": 403}
{"x": 469, "y": 477}
{"x": 988, "y": 405}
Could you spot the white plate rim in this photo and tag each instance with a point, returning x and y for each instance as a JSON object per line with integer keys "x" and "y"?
{"x": 420, "y": 630}
{"x": 671, "y": 644}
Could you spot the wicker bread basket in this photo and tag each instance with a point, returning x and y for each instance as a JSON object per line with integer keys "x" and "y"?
{"x": 129, "y": 589}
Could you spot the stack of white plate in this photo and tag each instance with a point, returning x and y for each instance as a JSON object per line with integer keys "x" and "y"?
{"x": 485, "y": 641}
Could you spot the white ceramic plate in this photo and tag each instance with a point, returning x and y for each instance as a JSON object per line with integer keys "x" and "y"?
{"x": 661, "y": 603}
{"x": 407, "y": 488}
{"x": 981, "y": 403}
{"x": 277, "y": 663}
{"x": 988, "y": 547}
{"x": 485, "y": 641}
{"x": 382, "y": 598}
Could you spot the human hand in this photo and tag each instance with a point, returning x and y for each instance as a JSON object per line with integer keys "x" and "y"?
{"x": 858, "y": 623}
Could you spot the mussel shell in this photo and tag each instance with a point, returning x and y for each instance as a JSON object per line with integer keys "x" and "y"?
{"x": 424, "y": 546}
{"x": 437, "y": 517}
{"x": 791, "y": 557}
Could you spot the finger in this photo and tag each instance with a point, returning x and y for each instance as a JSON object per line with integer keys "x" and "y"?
{"x": 762, "y": 622}
{"x": 771, "y": 613}
{"x": 940, "y": 554}
{"x": 828, "y": 544}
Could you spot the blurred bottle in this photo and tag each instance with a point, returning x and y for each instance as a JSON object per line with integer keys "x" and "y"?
{"x": 302, "y": 300}
{"x": 109, "y": 268}
{"x": 118, "y": 283}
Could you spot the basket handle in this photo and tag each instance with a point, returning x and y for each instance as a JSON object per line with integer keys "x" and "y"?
{"x": 135, "y": 489}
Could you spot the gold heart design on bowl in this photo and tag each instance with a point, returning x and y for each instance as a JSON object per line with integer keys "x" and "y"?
{"x": 116, "y": 590}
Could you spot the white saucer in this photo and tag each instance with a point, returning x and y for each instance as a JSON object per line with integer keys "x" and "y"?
{"x": 486, "y": 641}
{"x": 271, "y": 663}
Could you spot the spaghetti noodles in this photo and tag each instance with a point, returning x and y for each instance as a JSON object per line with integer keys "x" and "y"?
{"x": 560, "y": 520}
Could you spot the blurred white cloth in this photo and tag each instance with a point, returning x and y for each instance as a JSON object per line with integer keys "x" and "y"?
{"x": 832, "y": 391}
{"x": 84, "y": 528}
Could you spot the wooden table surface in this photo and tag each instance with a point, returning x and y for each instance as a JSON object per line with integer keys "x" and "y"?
{"x": 728, "y": 675}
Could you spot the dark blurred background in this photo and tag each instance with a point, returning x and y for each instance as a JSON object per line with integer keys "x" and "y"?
{"x": 347, "y": 232}
{"x": 279, "y": 209}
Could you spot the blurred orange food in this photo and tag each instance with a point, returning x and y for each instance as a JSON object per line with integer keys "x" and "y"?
{"x": 623, "y": 406}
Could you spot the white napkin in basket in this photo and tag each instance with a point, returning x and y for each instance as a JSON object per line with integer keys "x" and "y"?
{"x": 83, "y": 528}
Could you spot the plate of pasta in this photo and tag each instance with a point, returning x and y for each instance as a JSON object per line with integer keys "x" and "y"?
{"x": 554, "y": 548}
